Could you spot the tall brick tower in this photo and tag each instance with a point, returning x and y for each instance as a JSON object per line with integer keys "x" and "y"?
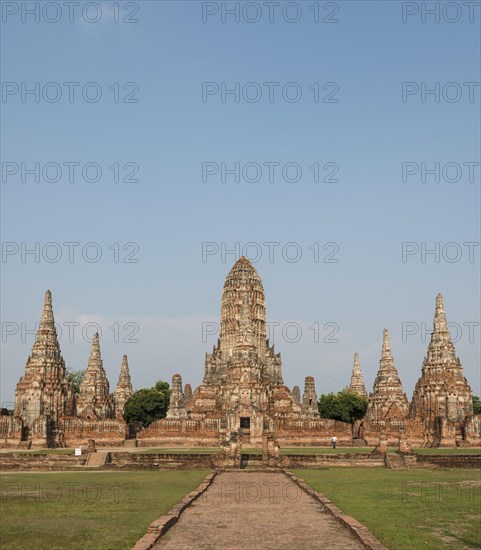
{"x": 43, "y": 394}
{"x": 95, "y": 401}
{"x": 442, "y": 398}
{"x": 388, "y": 400}
{"x": 124, "y": 388}
{"x": 242, "y": 383}
{"x": 357, "y": 381}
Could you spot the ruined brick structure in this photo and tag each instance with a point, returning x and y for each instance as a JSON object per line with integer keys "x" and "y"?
{"x": 309, "y": 399}
{"x": 242, "y": 385}
{"x": 442, "y": 399}
{"x": 242, "y": 399}
{"x": 296, "y": 394}
{"x": 124, "y": 388}
{"x": 95, "y": 401}
{"x": 177, "y": 399}
{"x": 387, "y": 399}
{"x": 43, "y": 394}
{"x": 188, "y": 392}
{"x": 441, "y": 410}
{"x": 388, "y": 405}
{"x": 357, "y": 380}
{"x": 47, "y": 411}
{"x": 243, "y": 388}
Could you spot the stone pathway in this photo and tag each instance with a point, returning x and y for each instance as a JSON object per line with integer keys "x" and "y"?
{"x": 256, "y": 511}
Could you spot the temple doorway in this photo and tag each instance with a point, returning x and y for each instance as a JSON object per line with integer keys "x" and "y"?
{"x": 245, "y": 422}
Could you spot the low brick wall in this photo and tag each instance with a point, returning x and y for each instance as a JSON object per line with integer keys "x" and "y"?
{"x": 123, "y": 460}
{"x": 99, "y": 442}
{"x": 156, "y": 461}
{"x": 450, "y": 461}
{"x": 296, "y": 440}
{"x": 115, "y": 461}
{"x": 171, "y": 432}
{"x": 362, "y": 460}
{"x": 10, "y": 443}
{"x": 33, "y": 461}
{"x": 175, "y": 440}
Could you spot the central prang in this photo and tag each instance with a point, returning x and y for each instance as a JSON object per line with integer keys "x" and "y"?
{"x": 242, "y": 385}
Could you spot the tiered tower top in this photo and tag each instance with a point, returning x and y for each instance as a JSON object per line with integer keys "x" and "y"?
{"x": 95, "y": 381}
{"x": 441, "y": 355}
{"x": 46, "y": 350}
{"x": 125, "y": 383}
{"x": 357, "y": 381}
{"x": 442, "y": 372}
{"x": 243, "y": 300}
{"x": 387, "y": 380}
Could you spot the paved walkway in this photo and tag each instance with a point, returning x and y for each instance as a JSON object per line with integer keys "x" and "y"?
{"x": 256, "y": 511}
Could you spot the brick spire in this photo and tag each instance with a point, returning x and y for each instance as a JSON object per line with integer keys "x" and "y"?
{"x": 296, "y": 394}
{"x": 124, "y": 387}
{"x": 388, "y": 401}
{"x": 309, "y": 398}
{"x": 95, "y": 400}
{"x": 387, "y": 361}
{"x": 187, "y": 392}
{"x": 357, "y": 381}
{"x": 242, "y": 279}
{"x": 440, "y": 322}
{"x": 46, "y": 348}
{"x": 442, "y": 391}
{"x": 177, "y": 400}
{"x": 44, "y": 390}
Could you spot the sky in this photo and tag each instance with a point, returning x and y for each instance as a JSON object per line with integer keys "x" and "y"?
{"x": 147, "y": 145}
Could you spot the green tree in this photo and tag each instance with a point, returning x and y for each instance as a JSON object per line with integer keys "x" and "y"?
{"x": 162, "y": 387}
{"x": 476, "y": 405}
{"x": 75, "y": 378}
{"x": 344, "y": 405}
{"x": 148, "y": 404}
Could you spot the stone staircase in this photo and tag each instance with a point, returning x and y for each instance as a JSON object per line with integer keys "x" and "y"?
{"x": 251, "y": 462}
{"x": 411, "y": 461}
{"x": 396, "y": 461}
{"x": 97, "y": 459}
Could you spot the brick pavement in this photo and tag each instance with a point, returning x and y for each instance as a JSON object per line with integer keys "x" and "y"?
{"x": 256, "y": 511}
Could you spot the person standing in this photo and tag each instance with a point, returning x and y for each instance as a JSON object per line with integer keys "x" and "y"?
{"x": 333, "y": 441}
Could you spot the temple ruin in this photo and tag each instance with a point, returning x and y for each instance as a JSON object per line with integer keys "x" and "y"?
{"x": 242, "y": 398}
{"x": 48, "y": 412}
{"x": 442, "y": 399}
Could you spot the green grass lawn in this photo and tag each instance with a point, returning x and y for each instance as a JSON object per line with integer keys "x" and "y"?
{"x": 87, "y": 510}
{"x": 408, "y": 509}
{"x": 447, "y": 451}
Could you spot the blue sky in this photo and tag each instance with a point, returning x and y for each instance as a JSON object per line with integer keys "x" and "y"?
{"x": 163, "y": 139}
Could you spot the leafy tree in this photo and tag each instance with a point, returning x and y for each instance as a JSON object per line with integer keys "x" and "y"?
{"x": 476, "y": 405}
{"x": 75, "y": 378}
{"x": 329, "y": 406}
{"x": 344, "y": 405}
{"x": 162, "y": 386}
{"x": 148, "y": 404}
